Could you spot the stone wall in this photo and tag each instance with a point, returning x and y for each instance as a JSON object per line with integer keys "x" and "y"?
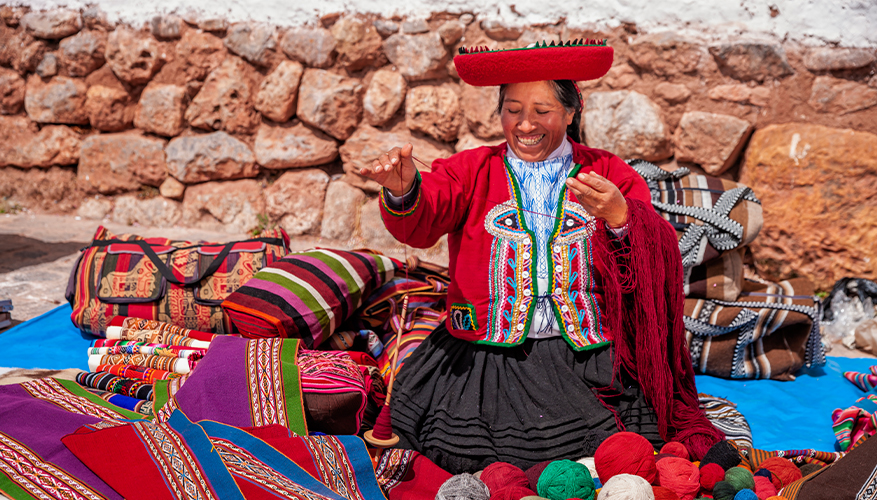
{"x": 224, "y": 126}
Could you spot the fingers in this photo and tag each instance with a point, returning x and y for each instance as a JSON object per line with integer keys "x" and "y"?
{"x": 596, "y": 181}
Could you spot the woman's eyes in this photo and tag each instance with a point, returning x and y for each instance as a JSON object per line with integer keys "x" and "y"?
{"x": 516, "y": 111}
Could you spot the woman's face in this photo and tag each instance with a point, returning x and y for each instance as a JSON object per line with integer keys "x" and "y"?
{"x": 533, "y": 120}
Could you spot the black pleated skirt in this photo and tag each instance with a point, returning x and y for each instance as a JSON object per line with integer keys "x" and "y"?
{"x": 467, "y": 405}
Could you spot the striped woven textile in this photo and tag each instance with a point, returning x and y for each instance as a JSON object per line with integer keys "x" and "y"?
{"x": 139, "y": 372}
{"x": 131, "y": 387}
{"x": 725, "y": 416}
{"x": 307, "y": 295}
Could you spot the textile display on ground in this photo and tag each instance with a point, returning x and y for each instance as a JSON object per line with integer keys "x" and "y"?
{"x": 799, "y": 418}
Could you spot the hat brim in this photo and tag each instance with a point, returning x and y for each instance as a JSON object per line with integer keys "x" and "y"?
{"x": 577, "y": 63}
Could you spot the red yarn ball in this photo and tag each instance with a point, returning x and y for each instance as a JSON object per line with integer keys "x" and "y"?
{"x": 677, "y": 449}
{"x": 781, "y": 468}
{"x": 710, "y": 474}
{"x": 625, "y": 453}
{"x": 662, "y": 493}
{"x": 764, "y": 489}
{"x": 680, "y": 476}
{"x": 513, "y": 492}
{"x": 500, "y": 475}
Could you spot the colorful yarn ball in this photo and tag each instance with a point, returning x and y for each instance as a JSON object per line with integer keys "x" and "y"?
{"x": 677, "y": 449}
{"x": 746, "y": 494}
{"x": 463, "y": 487}
{"x": 764, "y": 488}
{"x": 513, "y": 492}
{"x": 626, "y": 487}
{"x": 710, "y": 474}
{"x": 723, "y": 491}
{"x": 680, "y": 476}
{"x": 499, "y": 475}
{"x": 662, "y": 493}
{"x": 722, "y": 453}
{"x": 740, "y": 478}
{"x": 534, "y": 472}
{"x": 626, "y": 453}
{"x": 773, "y": 479}
{"x": 564, "y": 479}
{"x": 785, "y": 470}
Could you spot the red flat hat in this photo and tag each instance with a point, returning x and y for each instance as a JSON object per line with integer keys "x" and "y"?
{"x": 576, "y": 60}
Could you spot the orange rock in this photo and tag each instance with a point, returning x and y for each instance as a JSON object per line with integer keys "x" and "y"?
{"x": 108, "y": 108}
{"x": 330, "y": 102}
{"x": 479, "y": 106}
{"x": 225, "y": 101}
{"x": 385, "y": 94}
{"x": 134, "y": 56}
{"x": 357, "y": 42}
{"x": 665, "y": 54}
{"x": 84, "y": 52}
{"x": 112, "y": 163}
{"x": 24, "y": 145}
{"x": 284, "y": 146}
{"x": 433, "y": 110}
{"x": 60, "y": 100}
{"x": 835, "y": 95}
{"x": 11, "y": 92}
{"x": 296, "y": 200}
{"x": 278, "y": 91}
{"x": 711, "y": 140}
{"x": 817, "y": 187}
{"x": 231, "y": 206}
{"x": 160, "y": 109}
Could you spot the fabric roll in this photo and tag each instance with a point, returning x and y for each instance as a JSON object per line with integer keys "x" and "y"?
{"x": 135, "y": 388}
{"x": 158, "y": 337}
{"x": 176, "y": 365}
{"x": 130, "y": 325}
{"x": 466, "y": 405}
{"x": 139, "y": 406}
{"x": 172, "y": 351}
{"x": 138, "y": 372}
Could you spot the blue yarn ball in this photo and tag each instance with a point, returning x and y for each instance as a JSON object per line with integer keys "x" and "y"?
{"x": 746, "y": 494}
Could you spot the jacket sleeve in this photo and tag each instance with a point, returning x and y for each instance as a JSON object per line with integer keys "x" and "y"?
{"x": 442, "y": 201}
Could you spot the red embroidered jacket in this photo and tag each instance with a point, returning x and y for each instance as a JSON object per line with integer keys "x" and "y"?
{"x": 474, "y": 198}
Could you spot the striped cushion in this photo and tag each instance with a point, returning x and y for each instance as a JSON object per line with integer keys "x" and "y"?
{"x": 307, "y": 295}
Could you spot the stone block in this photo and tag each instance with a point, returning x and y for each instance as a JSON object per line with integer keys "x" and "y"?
{"x": 296, "y": 200}
{"x": 52, "y": 24}
{"x": 84, "y": 52}
{"x": 330, "y": 102}
{"x": 253, "y": 41}
{"x": 384, "y": 96}
{"x": 711, "y": 140}
{"x": 666, "y": 54}
{"x": 278, "y": 91}
{"x": 60, "y": 100}
{"x": 627, "y": 124}
{"x": 25, "y": 146}
{"x": 816, "y": 185}
{"x": 279, "y": 147}
{"x": 357, "y": 42}
{"x": 479, "y": 106}
{"x": 113, "y": 163}
{"x": 12, "y": 89}
{"x": 160, "y": 109}
{"x": 208, "y": 157}
{"x": 134, "y": 56}
{"x": 341, "y": 211}
{"x": 433, "y": 110}
{"x": 152, "y": 212}
{"x": 314, "y": 47}
{"x": 747, "y": 61}
{"x": 230, "y": 206}
{"x": 108, "y": 108}
{"x": 225, "y": 100}
{"x": 838, "y": 96}
{"x": 417, "y": 57}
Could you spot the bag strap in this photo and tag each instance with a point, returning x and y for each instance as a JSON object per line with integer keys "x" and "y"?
{"x": 165, "y": 271}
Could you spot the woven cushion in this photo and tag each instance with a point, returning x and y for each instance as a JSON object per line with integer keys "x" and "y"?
{"x": 307, "y": 295}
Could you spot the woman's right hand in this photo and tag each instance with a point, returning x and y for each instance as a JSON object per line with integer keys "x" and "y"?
{"x": 393, "y": 170}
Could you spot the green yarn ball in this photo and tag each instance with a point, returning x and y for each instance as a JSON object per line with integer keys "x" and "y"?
{"x": 564, "y": 479}
{"x": 740, "y": 479}
{"x": 724, "y": 490}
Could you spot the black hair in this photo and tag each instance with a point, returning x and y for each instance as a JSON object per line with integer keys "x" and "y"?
{"x": 568, "y": 95}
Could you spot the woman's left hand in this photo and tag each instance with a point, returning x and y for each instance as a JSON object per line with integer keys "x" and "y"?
{"x": 600, "y": 197}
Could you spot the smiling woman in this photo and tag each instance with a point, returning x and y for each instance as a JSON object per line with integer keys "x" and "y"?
{"x": 565, "y": 283}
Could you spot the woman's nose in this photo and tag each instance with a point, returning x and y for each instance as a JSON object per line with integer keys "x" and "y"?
{"x": 525, "y": 125}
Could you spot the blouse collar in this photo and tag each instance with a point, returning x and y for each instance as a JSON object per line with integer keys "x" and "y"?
{"x": 564, "y": 149}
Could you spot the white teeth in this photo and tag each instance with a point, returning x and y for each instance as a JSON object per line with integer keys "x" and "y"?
{"x": 530, "y": 141}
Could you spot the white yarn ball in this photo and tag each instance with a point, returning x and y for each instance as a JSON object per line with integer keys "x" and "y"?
{"x": 626, "y": 487}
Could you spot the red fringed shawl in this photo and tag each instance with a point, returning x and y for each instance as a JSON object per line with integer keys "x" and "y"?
{"x": 644, "y": 300}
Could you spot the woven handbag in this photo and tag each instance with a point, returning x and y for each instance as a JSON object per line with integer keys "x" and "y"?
{"x": 770, "y": 331}
{"x": 178, "y": 282}
{"x": 711, "y": 216}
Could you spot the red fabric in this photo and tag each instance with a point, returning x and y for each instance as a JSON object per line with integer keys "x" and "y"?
{"x": 422, "y": 480}
{"x": 576, "y": 63}
{"x": 131, "y": 469}
{"x": 640, "y": 294}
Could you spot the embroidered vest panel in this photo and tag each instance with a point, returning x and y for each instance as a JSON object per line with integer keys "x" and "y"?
{"x": 512, "y": 270}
